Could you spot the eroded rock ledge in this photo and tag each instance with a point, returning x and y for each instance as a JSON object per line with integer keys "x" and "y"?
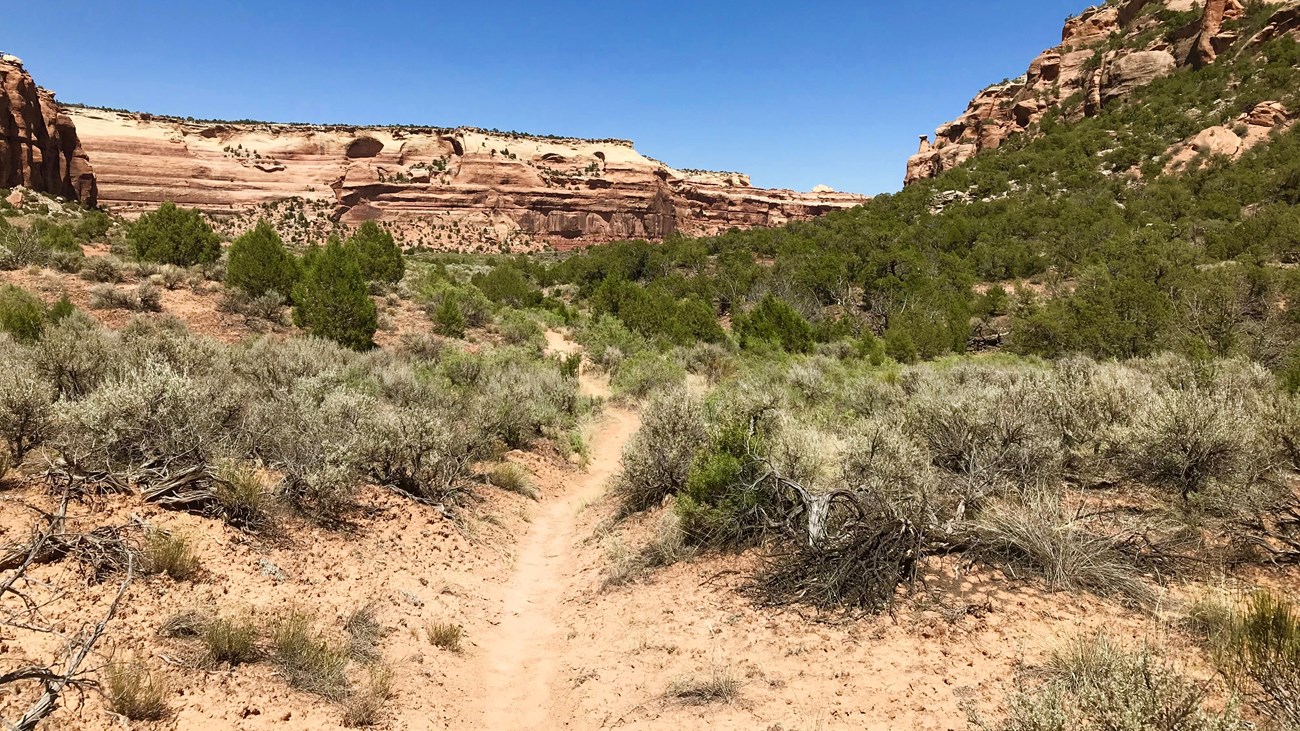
{"x": 449, "y": 188}
{"x": 39, "y": 147}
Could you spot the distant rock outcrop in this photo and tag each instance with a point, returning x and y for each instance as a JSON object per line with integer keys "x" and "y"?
{"x": 447, "y": 188}
{"x": 39, "y": 147}
{"x": 1086, "y": 68}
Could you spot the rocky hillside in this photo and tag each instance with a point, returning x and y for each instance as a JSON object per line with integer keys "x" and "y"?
{"x": 39, "y": 148}
{"x": 446, "y": 188}
{"x": 1106, "y": 54}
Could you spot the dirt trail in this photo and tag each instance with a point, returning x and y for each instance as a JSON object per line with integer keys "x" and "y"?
{"x": 522, "y": 653}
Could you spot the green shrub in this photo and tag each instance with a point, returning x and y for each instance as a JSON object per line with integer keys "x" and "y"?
{"x": 774, "y": 321}
{"x": 332, "y": 301}
{"x": 22, "y": 315}
{"x": 1258, "y": 648}
{"x": 647, "y": 373}
{"x": 172, "y": 235}
{"x": 519, "y": 328}
{"x": 377, "y": 254}
{"x": 448, "y": 320}
{"x": 258, "y": 263}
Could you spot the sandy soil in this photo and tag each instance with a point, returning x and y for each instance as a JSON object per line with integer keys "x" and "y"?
{"x": 548, "y": 644}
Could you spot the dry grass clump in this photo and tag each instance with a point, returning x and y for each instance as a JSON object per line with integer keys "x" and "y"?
{"x": 309, "y": 662}
{"x": 243, "y": 499}
{"x": 170, "y": 554}
{"x": 231, "y": 641}
{"x": 719, "y": 686}
{"x": 364, "y": 634}
{"x": 513, "y": 478}
{"x": 135, "y": 692}
{"x": 366, "y": 707}
{"x": 445, "y": 635}
{"x": 1094, "y": 685}
{"x": 1036, "y": 536}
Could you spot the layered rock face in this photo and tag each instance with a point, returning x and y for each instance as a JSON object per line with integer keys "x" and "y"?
{"x": 1083, "y": 65}
{"x": 39, "y": 147}
{"x": 447, "y": 188}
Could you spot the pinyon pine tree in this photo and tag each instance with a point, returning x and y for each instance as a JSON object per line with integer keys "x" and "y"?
{"x": 259, "y": 263}
{"x": 331, "y": 299}
{"x": 378, "y": 255}
{"x": 172, "y": 235}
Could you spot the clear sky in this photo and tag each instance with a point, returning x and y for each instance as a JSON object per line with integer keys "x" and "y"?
{"x": 794, "y": 93}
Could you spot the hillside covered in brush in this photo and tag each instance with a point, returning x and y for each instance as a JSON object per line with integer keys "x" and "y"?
{"x": 1119, "y": 234}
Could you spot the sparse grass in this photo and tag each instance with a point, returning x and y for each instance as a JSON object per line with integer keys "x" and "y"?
{"x": 309, "y": 661}
{"x": 242, "y": 497}
{"x": 1094, "y": 685}
{"x": 445, "y": 635}
{"x": 230, "y": 640}
{"x": 719, "y": 686}
{"x": 135, "y": 692}
{"x": 366, "y": 706}
{"x": 513, "y": 478}
{"x": 364, "y": 634}
{"x": 170, "y": 554}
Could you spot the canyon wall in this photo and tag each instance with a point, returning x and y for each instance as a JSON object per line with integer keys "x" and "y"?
{"x": 464, "y": 189}
{"x": 39, "y": 147}
{"x": 1106, "y": 53}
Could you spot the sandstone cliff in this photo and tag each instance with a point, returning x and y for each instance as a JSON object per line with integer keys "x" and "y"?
{"x": 1105, "y": 54}
{"x": 445, "y": 188}
{"x": 39, "y": 147}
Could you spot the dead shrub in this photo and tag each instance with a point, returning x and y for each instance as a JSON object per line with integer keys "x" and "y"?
{"x": 364, "y": 634}
{"x": 366, "y": 707}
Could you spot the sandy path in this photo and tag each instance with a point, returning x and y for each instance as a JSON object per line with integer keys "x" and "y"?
{"x": 522, "y": 655}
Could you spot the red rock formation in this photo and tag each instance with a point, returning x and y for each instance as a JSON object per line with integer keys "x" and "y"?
{"x": 1082, "y": 65}
{"x": 444, "y": 187}
{"x": 39, "y": 148}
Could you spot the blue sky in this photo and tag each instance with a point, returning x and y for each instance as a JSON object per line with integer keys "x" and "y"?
{"x": 794, "y": 93}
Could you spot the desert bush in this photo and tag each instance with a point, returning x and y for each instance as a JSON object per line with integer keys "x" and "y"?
{"x": 171, "y": 276}
{"x": 170, "y": 554}
{"x": 513, "y": 478}
{"x": 1187, "y": 439}
{"x": 149, "y": 415}
{"x": 68, "y": 262}
{"x": 26, "y": 409}
{"x": 172, "y": 235}
{"x": 710, "y": 360}
{"x": 417, "y": 451}
{"x": 774, "y": 321}
{"x": 22, "y": 314}
{"x": 74, "y": 355}
{"x": 230, "y": 641}
{"x": 258, "y": 263}
{"x": 448, "y": 320}
{"x": 1095, "y": 686}
{"x": 445, "y": 635}
{"x": 647, "y": 373}
{"x": 608, "y": 341}
{"x": 22, "y": 248}
{"x": 135, "y": 692}
{"x": 332, "y": 301}
{"x": 657, "y": 461}
{"x": 269, "y": 306}
{"x": 309, "y": 662}
{"x": 102, "y": 269}
{"x": 145, "y": 297}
